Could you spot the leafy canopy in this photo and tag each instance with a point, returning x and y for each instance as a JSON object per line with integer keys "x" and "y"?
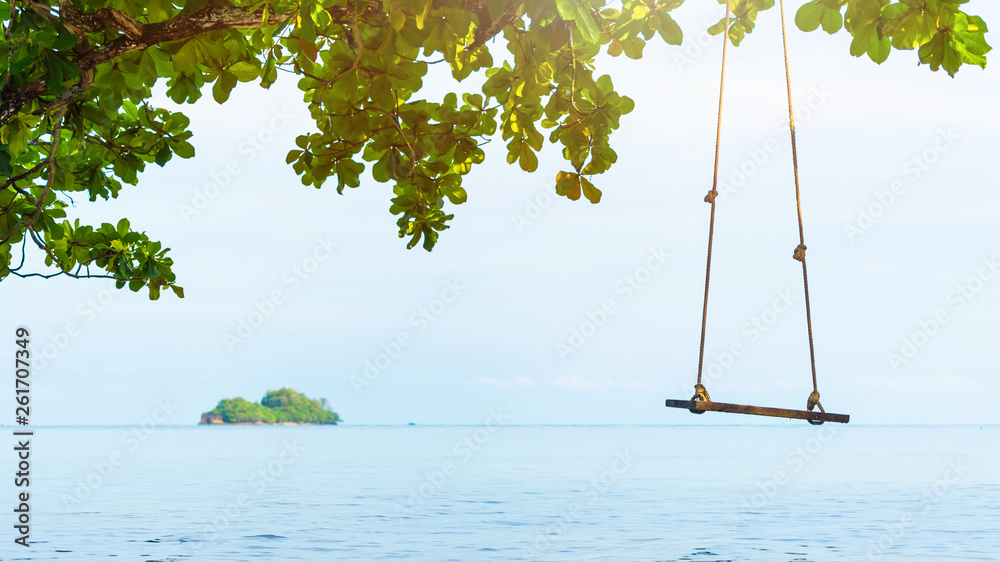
{"x": 76, "y": 118}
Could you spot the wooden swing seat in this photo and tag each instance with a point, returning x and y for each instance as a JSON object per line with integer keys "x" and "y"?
{"x": 702, "y": 406}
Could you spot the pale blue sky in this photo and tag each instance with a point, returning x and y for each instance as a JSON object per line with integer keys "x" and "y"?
{"x": 519, "y": 287}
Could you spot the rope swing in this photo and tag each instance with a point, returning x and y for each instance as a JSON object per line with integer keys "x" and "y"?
{"x": 701, "y": 402}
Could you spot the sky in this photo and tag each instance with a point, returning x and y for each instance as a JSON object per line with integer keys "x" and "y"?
{"x": 563, "y": 312}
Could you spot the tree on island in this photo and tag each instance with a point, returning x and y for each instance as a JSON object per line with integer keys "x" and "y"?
{"x": 77, "y": 78}
{"x": 277, "y": 406}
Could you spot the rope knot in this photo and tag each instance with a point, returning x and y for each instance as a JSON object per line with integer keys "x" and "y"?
{"x": 710, "y": 198}
{"x": 700, "y": 393}
{"x": 800, "y": 253}
{"x": 813, "y": 402}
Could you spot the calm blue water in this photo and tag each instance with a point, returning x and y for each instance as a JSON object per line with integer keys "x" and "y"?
{"x": 779, "y": 492}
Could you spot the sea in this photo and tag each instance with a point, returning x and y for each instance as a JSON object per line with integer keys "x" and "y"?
{"x": 782, "y": 492}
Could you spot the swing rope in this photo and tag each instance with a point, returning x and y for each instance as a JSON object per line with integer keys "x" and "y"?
{"x": 800, "y": 251}
{"x": 701, "y": 394}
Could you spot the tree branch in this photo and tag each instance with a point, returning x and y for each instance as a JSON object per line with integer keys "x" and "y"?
{"x": 213, "y": 18}
{"x": 488, "y": 27}
{"x": 105, "y": 18}
{"x": 358, "y": 44}
{"x": 11, "y": 101}
{"x": 40, "y": 202}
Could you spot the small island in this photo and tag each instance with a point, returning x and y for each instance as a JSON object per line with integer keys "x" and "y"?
{"x": 278, "y": 407}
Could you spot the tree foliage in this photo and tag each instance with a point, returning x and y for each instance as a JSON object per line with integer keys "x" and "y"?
{"x": 77, "y": 120}
{"x": 284, "y": 405}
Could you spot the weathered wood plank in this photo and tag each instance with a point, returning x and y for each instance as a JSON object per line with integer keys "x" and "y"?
{"x": 699, "y": 406}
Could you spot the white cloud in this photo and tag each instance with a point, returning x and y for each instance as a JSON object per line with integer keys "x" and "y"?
{"x": 518, "y": 382}
{"x": 576, "y": 382}
{"x": 940, "y": 384}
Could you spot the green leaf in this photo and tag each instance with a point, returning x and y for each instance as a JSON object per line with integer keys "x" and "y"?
{"x": 430, "y": 239}
{"x": 625, "y": 105}
{"x": 568, "y": 185}
{"x": 186, "y": 58}
{"x": 183, "y": 149}
{"x": 810, "y": 15}
{"x": 159, "y": 10}
{"x": 880, "y": 50}
{"x": 382, "y": 94}
{"x": 615, "y": 48}
{"x": 64, "y": 42}
{"x": 163, "y": 155}
{"x": 270, "y": 72}
{"x": 223, "y": 86}
{"x": 633, "y": 47}
{"x": 589, "y": 191}
{"x": 451, "y": 188}
{"x": 580, "y": 12}
{"x": 496, "y": 8}
{"x": 968, "y": 39}
{"x": 568, "y": 9}
{"x": 59, "y": 71}
{"x": 864, "y": 40}
{"x": 422, "y": 16}
{"x": 397, "y": 19}
{"x": 527, "y": 158}
{"x": 5, "y": 169}
{"x": 179, "y": 291}
{"x": 244, "y": 71}
{"x": 588, "y": 27}
{"x": 669, "y": 30}
{"x": 832, "y": 21}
